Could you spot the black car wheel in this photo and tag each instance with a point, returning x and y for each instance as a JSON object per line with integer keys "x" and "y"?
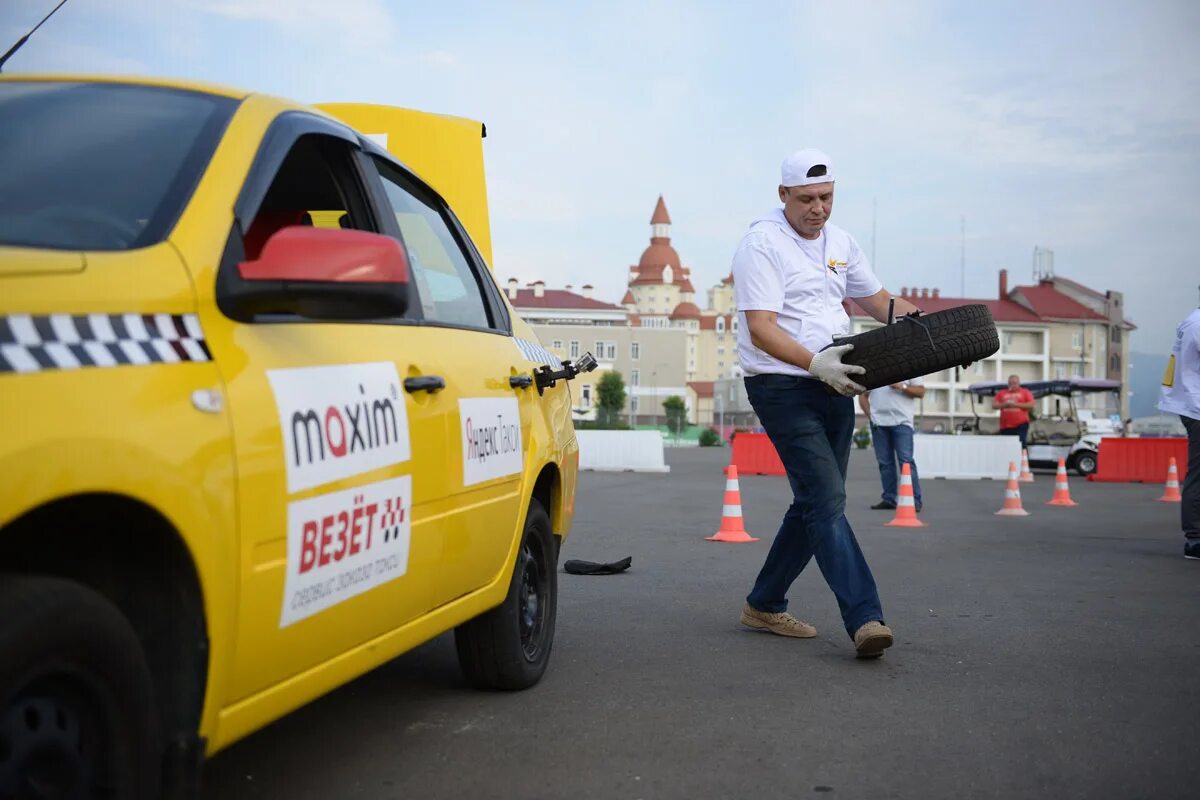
{"x": 509, "y": 646}
{"x": 77, "y": 713}
{"x": 914, "y": 346}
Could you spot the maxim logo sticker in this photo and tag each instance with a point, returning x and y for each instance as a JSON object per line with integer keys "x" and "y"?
{"x": 339, "y": 421}
{"x": 491, "y": 438}
{"x": 345, "y": 543}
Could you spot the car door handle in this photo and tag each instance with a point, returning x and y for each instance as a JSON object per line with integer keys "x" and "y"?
{"x": 425, "y": 383}
{"x": 520, "y": 381}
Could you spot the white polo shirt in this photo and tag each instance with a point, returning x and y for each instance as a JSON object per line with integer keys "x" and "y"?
{"x": 803, "y": 281}
{"x": 1180, "y": 393}
{"x": 890, "y": 408}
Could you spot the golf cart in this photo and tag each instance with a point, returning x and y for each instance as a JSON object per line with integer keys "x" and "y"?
{"x": 1071, "y": 431}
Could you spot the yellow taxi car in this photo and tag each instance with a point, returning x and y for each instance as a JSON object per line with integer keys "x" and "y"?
{"x": 266, "y": 422}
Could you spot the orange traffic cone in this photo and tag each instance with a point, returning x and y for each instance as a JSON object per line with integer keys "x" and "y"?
{"x": 1172, "y": 495}
{"x": 1026, "y": 473}
{"x": 906, "y": 507}
{"x": 1012, "y": 496}
{"x": 1062, "y": 493}
{"x": 732, "y": 528}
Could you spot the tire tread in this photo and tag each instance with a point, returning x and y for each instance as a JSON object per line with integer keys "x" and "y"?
{"x": 901, "y": 351}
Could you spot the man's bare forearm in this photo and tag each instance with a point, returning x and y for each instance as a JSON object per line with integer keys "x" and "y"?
{"x": 877, "y": 305}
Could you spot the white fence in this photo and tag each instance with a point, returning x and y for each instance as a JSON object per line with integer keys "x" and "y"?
{"x": 965, "y": 457}
{"x": 621, "y": 451}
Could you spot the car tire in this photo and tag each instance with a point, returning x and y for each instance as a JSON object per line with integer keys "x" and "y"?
{"x": 77, "y": 711}
{"x": 1084, "y": 463}
{"x": 912, "y": 347}
{"x": 508, "y": 647}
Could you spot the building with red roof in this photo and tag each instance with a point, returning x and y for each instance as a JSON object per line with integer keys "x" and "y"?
{"x": 538, "y": 305}
{"x": 659, "y": 282}
{"x": 1052, "y": 328}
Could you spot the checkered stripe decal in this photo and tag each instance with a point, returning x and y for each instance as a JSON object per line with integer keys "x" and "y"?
{"x": 535, "y": 352}
{"x": 40, "y": 343}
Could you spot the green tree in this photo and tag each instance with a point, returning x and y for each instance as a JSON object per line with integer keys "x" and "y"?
{"x": 676, "y": 414}
{"x": 610, "y": 397}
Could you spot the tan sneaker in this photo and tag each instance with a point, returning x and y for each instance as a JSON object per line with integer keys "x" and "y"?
{"x": 872, "y": 639}
{"x": 782, "y": 623}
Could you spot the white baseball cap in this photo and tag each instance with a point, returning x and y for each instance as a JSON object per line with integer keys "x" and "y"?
{"x": 806, "y": 167}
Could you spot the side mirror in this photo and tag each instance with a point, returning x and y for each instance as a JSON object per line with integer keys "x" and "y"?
{"x": 321, "y": 273}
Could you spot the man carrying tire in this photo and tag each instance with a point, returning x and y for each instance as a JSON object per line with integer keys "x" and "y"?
{"x": 791, "y": 273}
{"x": 1014, "y": 404}
{"x": 1180, "y": 394}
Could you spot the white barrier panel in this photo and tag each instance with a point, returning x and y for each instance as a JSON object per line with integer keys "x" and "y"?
{"x": 965, "y": 457}
{"x": 621, "y": 451}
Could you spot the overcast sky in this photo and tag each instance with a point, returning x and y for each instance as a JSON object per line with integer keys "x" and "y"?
{"x": 1068, "y": 125}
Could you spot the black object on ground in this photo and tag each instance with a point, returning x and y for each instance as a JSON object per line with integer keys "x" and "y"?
{"x": 578, "y": 567}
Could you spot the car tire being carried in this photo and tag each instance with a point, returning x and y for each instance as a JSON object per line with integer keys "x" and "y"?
{"x": 914, "y": 346}
{"x": 77, "y": 716}
{"x": 509, "y": 646}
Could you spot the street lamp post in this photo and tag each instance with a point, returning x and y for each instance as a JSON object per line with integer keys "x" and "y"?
{"x": 632, "y": 406}
{"x": 654, "y": 387}
{"x": 654, "y": 394}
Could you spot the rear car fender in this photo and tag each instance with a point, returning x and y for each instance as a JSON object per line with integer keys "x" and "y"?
{"x": 552, "y": 446}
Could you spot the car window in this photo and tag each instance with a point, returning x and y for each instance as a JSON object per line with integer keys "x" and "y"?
{"x": 446, "y": 282}
{"x": 101, "y": 166}
{"x": 316, "y": 186}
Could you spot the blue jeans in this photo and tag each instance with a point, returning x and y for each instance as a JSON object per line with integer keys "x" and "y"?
{"x": 894, "y": 443}
{"x": 811, "y": 430}
{"x": 1021, "y": 430}
{"x": 1189, "y": 509}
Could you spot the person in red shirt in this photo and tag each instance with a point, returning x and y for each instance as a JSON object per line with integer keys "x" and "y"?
{"x": 1014, "y": 403}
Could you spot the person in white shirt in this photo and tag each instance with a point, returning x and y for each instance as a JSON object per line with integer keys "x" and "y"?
{"x": 891, "y": 410}
{"x": 791, "y": 272}
{"x": 1180, "y": 394}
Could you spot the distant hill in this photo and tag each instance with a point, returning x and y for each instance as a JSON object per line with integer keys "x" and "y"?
{"x": 1145, "y": 376}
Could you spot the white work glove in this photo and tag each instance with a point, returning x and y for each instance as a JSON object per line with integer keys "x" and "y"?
{"x": 827, "y": 366}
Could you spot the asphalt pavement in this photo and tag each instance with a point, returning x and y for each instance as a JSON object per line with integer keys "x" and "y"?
{"x": 1056, "y": 655}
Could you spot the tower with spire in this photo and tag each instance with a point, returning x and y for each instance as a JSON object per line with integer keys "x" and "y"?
{"x": 661, "y": 295}
{"x": 660, "y": 287}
